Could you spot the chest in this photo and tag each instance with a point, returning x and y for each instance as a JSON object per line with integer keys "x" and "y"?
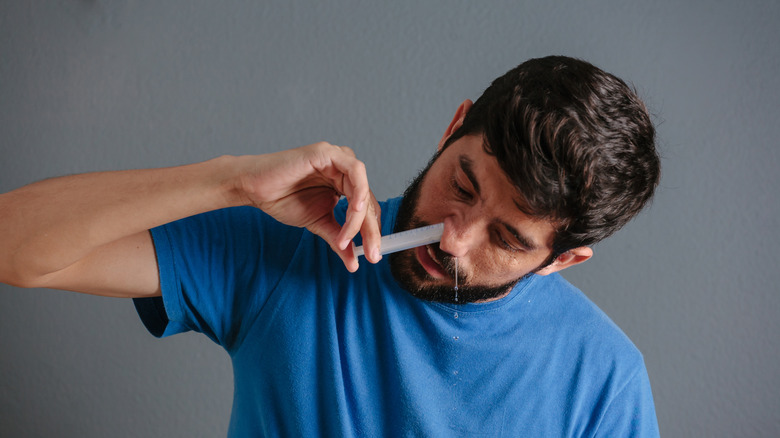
{"x": 357, "y": 356}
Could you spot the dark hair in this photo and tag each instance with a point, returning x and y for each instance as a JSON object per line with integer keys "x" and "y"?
{"x": 577, "y": 142}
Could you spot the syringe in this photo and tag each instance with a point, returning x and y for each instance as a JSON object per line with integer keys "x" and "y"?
{"x": 407, "y": 239}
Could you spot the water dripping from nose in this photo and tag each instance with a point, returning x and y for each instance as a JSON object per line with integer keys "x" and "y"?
{"x": 456, "y": 279}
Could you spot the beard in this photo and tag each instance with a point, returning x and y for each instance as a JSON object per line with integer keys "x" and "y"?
{"x": 410, "y": 274}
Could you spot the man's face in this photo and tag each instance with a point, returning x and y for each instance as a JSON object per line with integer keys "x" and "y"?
{"x": 495, "y": 243}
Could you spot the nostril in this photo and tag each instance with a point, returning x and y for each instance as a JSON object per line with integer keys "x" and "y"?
{"x": 441, "y": 256}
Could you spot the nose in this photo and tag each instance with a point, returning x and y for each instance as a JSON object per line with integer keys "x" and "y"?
{"x": 460, "y": 236}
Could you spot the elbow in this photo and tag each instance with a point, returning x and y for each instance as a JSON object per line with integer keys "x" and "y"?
{"x": 16, "y": 274}
{"x": 14, "y": 279}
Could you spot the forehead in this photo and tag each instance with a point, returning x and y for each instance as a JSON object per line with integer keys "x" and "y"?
{"x": 468, "y": 155}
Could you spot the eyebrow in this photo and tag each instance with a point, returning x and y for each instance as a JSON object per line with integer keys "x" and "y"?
{"x": 523, "y": 240}
{"x": 467, "y": 166}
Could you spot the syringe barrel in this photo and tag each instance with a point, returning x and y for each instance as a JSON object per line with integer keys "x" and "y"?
{"x": 407, "y": 239}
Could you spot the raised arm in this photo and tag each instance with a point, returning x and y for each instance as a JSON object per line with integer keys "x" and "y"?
{"x": 89, "y": 233}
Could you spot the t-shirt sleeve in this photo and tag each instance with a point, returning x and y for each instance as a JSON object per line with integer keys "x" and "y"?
{"x": 216, "y": 271}
{"x": 631, "y": 413}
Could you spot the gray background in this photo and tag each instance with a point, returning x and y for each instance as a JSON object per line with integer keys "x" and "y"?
{"x": 118, "y": 84}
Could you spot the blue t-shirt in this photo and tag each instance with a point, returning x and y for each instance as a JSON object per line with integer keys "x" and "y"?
{"x": 317, "y": 351}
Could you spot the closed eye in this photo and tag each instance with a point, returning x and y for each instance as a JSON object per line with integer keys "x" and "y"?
{"x": 459, "y": 191}
{"x": 516, "y": 240}
{"x": 505, "y": 244}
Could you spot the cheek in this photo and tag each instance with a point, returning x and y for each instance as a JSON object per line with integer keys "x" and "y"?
{"x": 483, "y": 268}
{"x": 495, "y": 267}
{"x": 434, "y": 202}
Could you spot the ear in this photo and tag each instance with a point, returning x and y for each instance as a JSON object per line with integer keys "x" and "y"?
{"x": 569, "y": 258}
{"x": 456, "y": 122}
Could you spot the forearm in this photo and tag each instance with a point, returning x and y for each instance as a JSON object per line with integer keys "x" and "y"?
{"x": 88, "y": 233}
{"x": 50, "y": 225}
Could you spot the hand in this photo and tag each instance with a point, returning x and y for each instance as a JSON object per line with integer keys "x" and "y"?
{"x": 300, "y": 187}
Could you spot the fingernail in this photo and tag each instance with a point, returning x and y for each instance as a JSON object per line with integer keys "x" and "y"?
{"x": 376, "y": 255}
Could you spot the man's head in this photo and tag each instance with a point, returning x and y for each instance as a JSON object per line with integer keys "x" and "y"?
{"x": 555, "y": 156}
{"x": 576, "y": 141}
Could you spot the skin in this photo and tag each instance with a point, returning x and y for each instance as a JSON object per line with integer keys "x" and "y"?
{"x": 495, "y": 243}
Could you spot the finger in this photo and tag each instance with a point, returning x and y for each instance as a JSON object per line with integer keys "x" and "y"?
{"x": 329, "y": 232}
{"x": 354, "y": 185}
{"x": 355, "y": 219}
{"x": 347, "y": 175}
{"x": 371, "y": 231}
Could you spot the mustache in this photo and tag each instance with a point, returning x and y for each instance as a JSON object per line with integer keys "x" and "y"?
{"x": 447, "y": 261}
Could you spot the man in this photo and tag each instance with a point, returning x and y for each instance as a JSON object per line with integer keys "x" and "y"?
{"x": 553, "y": 157}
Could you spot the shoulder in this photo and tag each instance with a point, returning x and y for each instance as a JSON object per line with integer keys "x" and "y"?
{"x": 577, "y": 318}
{"x": 244, "y": 236}
{"x": 607, "y": 368}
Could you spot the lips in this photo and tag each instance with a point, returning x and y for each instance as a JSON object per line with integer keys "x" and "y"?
{"x": 429, "y": 263}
